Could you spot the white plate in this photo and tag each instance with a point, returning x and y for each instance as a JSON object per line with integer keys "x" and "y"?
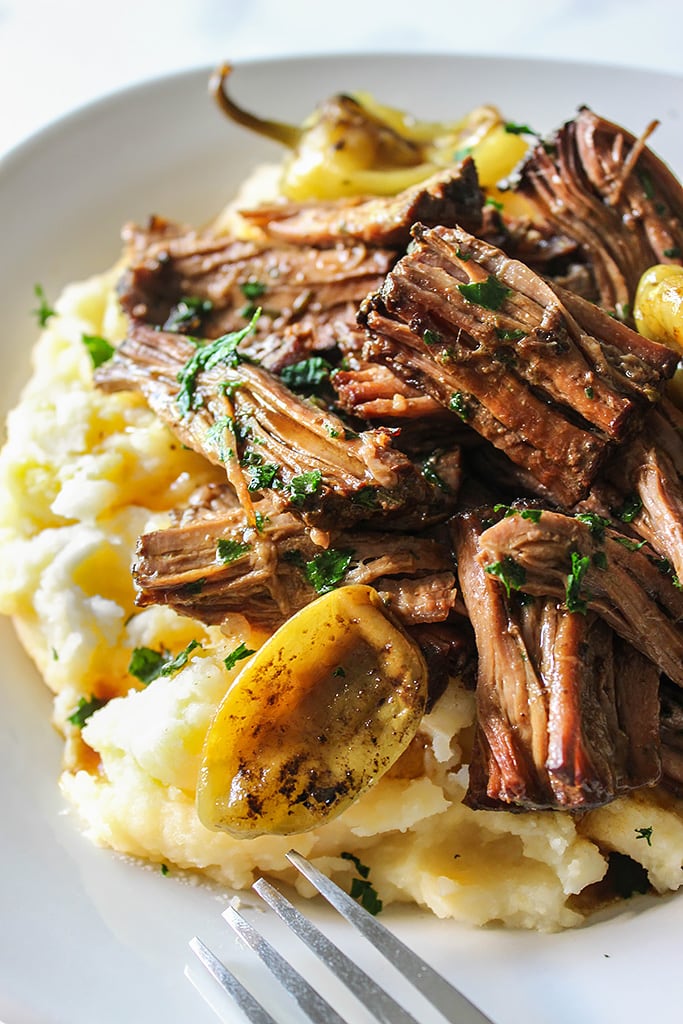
{"x": 86, "y": 935}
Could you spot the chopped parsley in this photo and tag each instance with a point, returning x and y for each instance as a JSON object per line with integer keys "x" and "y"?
{"x": 164, "y": 868}
{"x": 147, "y": 664}
{"x": 263, "y": 476}
{"x": 630, "y": 508}
{"x": 512, "y": 128}
{"x": 229, "y": 387}
{"x": 510, "y": 334}
{"x": 646, "y": 182}
{"x": 44, "y": 310}
{"x": 239, "y": 653}
{"x": 328, "y": 569}
{"x": 431, "y": 338}
{"x": 252, "y": 289}
{"x": 510, "y": 573}
{"x": 462, "y": 153}
{"x": 458, "y": 404}
{"x": 673, "y": 253}
{"x": 362, "y": 889}
{"x": 307, "y": 375}
{"x": 304, "y": 486}
{"x": 645, "y": 833}
{"x": 490, "y": 294}
{"x": 599, "y": 560}
{"x": 215, "y": 437}
{"x": 228, "y": 551}
{"x": 595, "y": 523}
{"x": 630, "y": 545}
{"x": 506, "y": 356}
{"x": 222, "y": 350}
{"x": 187, "y": 314}
{"x": 462, "y": 255}
{"x": 431, "y": 476}
{"x": 495, "y": 203}
{"x": 573, "y": 599}
{"x": 589, "y": 392}
{"x": 85, "y": 708}
{"x": 261, "y": 521}
{"x": 532, "y": 514}
{"x": 367, "y": 497}
{"x": 99, "y": 349}
{"x": 294, "y": 557}
{"x": 195, "y": 587}
{"x": 339, "y": 671}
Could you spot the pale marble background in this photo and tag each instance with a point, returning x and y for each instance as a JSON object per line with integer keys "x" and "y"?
{"x": 56, "y": 55}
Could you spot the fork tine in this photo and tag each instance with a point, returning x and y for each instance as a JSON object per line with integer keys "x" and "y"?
{"x": 313, "y": 1005}
{"x": 454, "y": 1006}
{"x": 252, "y": 1009}
{"x": 374, "y": 998}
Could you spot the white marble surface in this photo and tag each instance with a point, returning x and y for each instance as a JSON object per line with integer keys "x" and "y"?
{"x": 56, "y": 55}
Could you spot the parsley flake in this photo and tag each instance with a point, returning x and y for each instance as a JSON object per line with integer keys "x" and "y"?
{"x": 328, "y": 569}
{"x": 99, "y": 349}
{"x": 510, "y": 334}
{"x": 215, "y": 437}
{"x": 533, "y": 515}
{"x": 490, "y": 294}
{"x": 239, "y": 653}
{"x": 362, "y": 889}
{"x": 573, "y": 600}
{"x": 512, "y": 128}
{"x": 458, "y": 404}
{"x": 85, "y": 709}
{"x": 431, "y": 338}
{"x": 187, "y": 315}
{"x": 630, "y": 545}
{"x": 599, "y": 560}
{"x": 304, "y": 486}
{"x": 44, "y": 310}
{"x": 646, "y": 182}
{"x": 645, "y": 833}
{"x": 263, "y": 476}
{"x": 630, "y": 508}
{"x": 307, "y": 375}
{"x": 228, "y": 551}
{"x": 252, "y": 289}
{"x": 146, "y": 664}
{"x": 366, "y": 497}
{"x": 431, "y": 476}
{"x": 510, "y": 573}
{"x": 222, "y": 350}
{"x": 595, "y": 523}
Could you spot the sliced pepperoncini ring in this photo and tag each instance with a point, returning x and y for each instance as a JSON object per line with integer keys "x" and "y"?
{"x": 658, "y": 306}
{"x": 354, "y": 146}
{"x": 316, "y": 717}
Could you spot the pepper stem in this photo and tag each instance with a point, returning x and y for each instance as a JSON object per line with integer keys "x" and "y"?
{"x": 287, "y": 134}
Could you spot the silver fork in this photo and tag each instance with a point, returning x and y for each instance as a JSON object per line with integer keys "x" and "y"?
{"x": 453, "y": 1005}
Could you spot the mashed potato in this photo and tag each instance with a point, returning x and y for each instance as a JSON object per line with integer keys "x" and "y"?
{"x": 82, "y": 474}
